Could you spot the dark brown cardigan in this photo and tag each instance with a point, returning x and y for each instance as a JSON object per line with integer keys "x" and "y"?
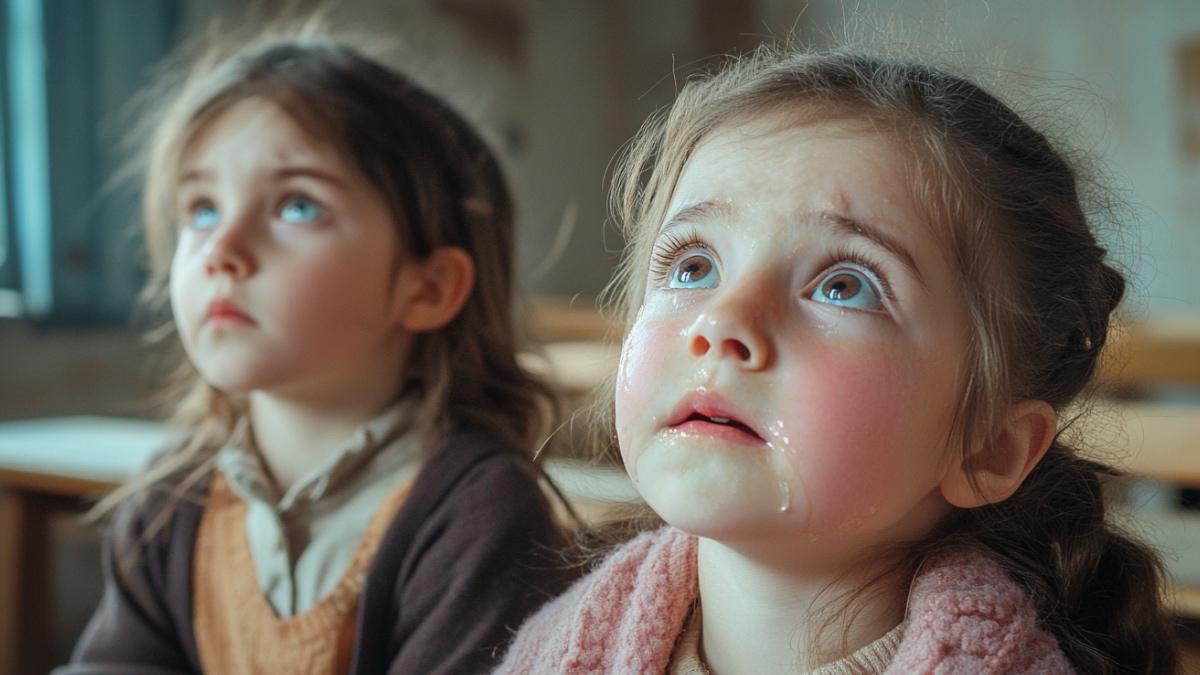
{"x": 470, "y": 554}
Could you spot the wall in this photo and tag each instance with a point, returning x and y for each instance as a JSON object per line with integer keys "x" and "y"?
{"x": 1109, "y": 65}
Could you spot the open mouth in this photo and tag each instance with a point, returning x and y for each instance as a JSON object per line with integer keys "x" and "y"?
{"x": 724, "y": 421}
{"x": 707, "y": 413}
{"x": 720, "y": 421}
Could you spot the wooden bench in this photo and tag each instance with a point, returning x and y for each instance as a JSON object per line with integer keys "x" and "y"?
{"x": 1159, "y": 445}
{"x": 1147, "y": 356}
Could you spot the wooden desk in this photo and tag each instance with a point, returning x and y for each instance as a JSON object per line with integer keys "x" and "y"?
{"x": 49, "y": 467}
{"x": 1156, "y": 440}
{"x": 1162, "y": 350}
{"x": 52, "y": 466}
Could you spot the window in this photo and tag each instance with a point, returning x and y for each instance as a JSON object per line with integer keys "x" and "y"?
{"x": 70, "y": 251}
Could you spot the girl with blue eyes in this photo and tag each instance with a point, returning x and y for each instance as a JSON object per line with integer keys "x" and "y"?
{"x": 841, "y": 388}
{"x": 352, "y": 490}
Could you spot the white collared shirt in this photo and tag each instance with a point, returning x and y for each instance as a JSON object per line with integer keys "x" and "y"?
{"x": 302, "y": 541}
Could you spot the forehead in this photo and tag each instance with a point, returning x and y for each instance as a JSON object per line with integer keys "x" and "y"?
{"x": 774, "y": 177}
{"x": 824, "y": 165}
{"x": 251, "y": 123}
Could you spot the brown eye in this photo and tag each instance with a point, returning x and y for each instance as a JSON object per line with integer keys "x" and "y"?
{"x": 848, "y": 289}
{"x": 841, "y": 287}
{"x": 695, "y": 271}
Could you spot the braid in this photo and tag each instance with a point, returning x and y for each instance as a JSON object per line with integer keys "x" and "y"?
{"x": 1097, "y": 590}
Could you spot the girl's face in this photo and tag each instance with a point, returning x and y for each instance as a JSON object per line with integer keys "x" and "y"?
{"x": 794, "y": 370}
{"x": 284, "y": 273}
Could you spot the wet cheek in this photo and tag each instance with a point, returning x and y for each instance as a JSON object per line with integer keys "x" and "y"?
{"x": 641, "y": 377}
{"x": 846, "y": 409}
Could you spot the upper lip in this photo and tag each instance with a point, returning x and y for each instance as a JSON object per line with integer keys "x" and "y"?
{"x": 224, "y": 307}
{"x": 711, "y": 407}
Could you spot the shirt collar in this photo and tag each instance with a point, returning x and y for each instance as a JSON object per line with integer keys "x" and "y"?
{"x": 247, "y": 475}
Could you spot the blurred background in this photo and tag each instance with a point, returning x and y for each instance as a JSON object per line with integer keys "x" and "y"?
{"x": 558, "y": 87}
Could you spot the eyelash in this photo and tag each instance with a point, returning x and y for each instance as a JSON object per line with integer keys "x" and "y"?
{"x": 671, "y": 248}
{"x": 192, "y": 206}
{"x": 293, "y": 195}
{"x": 194, "y": 203}
{"x": 862, "y": 261}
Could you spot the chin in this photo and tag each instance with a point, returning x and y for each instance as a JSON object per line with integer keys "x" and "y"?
{"x": 229, "y": 383}
{"x": 720, "y": 520}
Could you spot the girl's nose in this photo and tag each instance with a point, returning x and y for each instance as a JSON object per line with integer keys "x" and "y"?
{"x": 229, "y": 252}
{"x": 735, "y": 327}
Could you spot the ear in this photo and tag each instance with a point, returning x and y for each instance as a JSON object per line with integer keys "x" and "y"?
{"x": 430, "y": 293}
{"x": 1027, "y": 432}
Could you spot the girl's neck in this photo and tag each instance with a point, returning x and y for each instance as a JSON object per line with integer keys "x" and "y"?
{"x": 762, "y": 615}
{"x": 296, "y": 437}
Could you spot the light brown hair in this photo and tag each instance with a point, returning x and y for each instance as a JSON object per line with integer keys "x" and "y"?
{"x": 1040, "y": 292}
{"x": 443, "y": 185}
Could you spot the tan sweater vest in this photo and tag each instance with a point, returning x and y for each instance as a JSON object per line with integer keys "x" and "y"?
{"x": 237, "y": 630}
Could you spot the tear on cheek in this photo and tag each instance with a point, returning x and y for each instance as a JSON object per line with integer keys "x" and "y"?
{"x": 628, "y": 458}
{"x": 647, "y": 350}
{"x": 858, "y": 520}
{"x": 637, "y": 372}
{"x": 623, "y": 368}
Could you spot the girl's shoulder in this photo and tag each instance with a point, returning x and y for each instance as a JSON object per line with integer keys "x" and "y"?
{"x": 965, "y": 614}
{"x": 161, "y": 512}
{"x": 467, "y": 460}
{"x": 624, "y": 616}
{"x": 475, "y": 492}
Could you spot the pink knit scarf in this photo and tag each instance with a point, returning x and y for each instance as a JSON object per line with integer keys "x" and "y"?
{"x": 964, "y": 616}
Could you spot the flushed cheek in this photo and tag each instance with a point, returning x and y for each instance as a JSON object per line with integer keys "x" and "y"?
{"x": 323, "y": 303}
{"x": 849, "y": 424}
{"x": 649, "y": 349}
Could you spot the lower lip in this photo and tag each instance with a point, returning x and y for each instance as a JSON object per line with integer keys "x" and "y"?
{"x": 229, "y": 319}
{"x": 722, "y": 432}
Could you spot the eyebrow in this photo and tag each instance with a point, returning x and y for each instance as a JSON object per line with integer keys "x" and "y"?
{"x": 852, "y": 227}
{"x": 192, "y": 175}
{"x": 695, "y": 213}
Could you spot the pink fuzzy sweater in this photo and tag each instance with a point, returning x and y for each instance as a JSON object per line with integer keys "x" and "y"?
{"x": 964, "y": 616}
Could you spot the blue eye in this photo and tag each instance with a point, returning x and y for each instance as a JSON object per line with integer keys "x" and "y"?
{"x": 695, "y": 271}
{"x": 300, "y": 210}
{"x": 847, "y": 288}
{"x": 205, "y": 217}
